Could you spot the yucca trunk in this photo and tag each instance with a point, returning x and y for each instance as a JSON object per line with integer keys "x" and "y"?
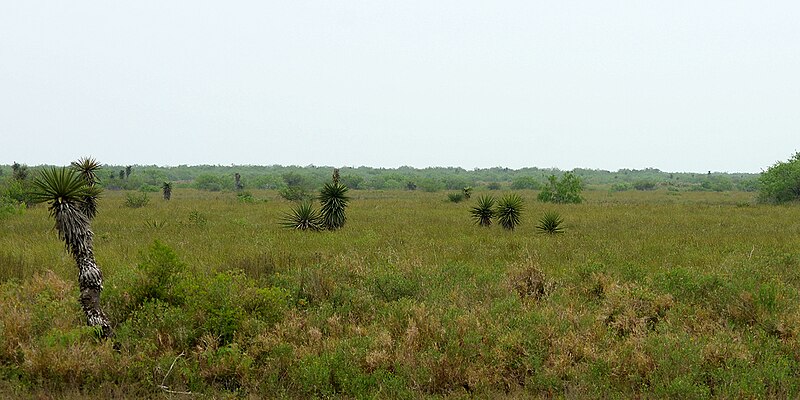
{"x": 73, "y": 227}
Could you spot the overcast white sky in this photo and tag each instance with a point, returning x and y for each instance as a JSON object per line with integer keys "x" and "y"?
{"x": 675, "y": 85}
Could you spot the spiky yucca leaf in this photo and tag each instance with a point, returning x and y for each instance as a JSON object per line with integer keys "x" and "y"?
{"x": 333, "y": 198}
{"x": 509, "y": 209}
{"x": 303, "y": 217}
{"x": 483, "y": 212}
{"x": 550, "y": 223}
{"x": 66, "y": 192}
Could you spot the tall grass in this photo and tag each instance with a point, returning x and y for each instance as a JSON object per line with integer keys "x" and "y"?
{"x": 655, "y": 294}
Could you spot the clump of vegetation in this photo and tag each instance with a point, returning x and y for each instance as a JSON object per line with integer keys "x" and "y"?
{"x": 467, "y": 192}
{"x": 245, "y": 197}
{"x": 565, "y": 190}
{"x": 166, "y": 189}
{"x": 493, "y": 186}
{"x": 303, "y": 217}
{"x": 550, "y": 223}
{"x": 644, "y": 185}
{"x": 525, "y": 182}
{"x": 508, "y": 212}
{"x": 780, "y": 183}
{"x": 483, "y": 212}
{"x": 136, "y": 200}
{"x": 455, "y": 197}
{"x": 333, "y": 199}
{"x": 66, "y": 193}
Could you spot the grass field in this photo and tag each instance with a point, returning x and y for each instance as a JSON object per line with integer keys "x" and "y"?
{"x": 646, "y": 294}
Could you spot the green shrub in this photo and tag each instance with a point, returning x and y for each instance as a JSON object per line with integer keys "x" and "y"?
{"x": 136, "y": 200}
{"x": 621, "y": 187}
{"x": 644, "y": 185}
{"x": 525, "y": 182}
{"x": 781, "y": 182}
{"x": 566, "y": 190}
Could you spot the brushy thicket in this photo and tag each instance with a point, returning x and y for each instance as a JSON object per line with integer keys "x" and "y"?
{"x": 406, "y": 303}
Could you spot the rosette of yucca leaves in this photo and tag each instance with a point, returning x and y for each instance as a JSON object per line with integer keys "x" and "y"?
{"x": 87, "y": 167}
{"x": 508, "y": 211}
{"x": 66, "y": 192}
{"x": 483, "y": 211}
{"x": 550, "y": 223}
{"x": 333, "y": 199}
{"x": 303, "y": 217}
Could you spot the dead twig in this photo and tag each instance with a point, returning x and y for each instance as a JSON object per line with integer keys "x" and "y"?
{"x": 166, "y": 388}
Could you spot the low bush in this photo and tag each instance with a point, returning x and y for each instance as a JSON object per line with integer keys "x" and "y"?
{"x": 136, "y": 200}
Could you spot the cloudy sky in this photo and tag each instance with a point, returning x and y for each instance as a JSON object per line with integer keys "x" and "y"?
{"x": 675, "y": 85}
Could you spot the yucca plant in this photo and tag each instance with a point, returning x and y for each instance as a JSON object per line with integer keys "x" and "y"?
{"x": 483, "y": 212}
{"x": 508, "y": 211}
{"x": 87, "y": 167}
{"x": 303, "y": 217}
{"x": 66, "y": 192}
{"x": 166, "y": 188}
{"x": 550, "y": 223}
{"x": 333, "y": 198}
{"x": 467, "y": 192}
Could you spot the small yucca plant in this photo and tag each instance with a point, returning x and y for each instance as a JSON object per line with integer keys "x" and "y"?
{"x": 333, "y": 198}
{"x": 304, "y": 217}
{"x": 467, "y": 192}
{"x": 550, "y": 223}
{"x": 87, "y": 167}
{"x": 508, "y": 211}
{"x": 483, "y": 212}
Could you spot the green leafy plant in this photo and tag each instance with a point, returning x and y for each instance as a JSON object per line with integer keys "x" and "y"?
{"x": 550, "y": 223}
{"x": 781, "y": 182}
{"x": 455, "y": 197}
{"x": 303, "y": 217}
{"x": 333, "y": 199}
{"x": 483, "y": 212}
{"x": 136, "y": 200}
{"x": 508, "y": 211}
{"x": 467, "y": 192}
{"x": 565, "y": 190}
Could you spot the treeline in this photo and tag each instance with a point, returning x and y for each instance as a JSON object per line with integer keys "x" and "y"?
{"x": 220, "y": 178}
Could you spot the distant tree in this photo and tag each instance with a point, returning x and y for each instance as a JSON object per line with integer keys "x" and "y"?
{"x": 128, "y": 171}
{"x": 493, "y": 186}
{"x": 411, "y": 185}
{"x": 781, "y": 182}
{"x": 19, "y": 172}
{"x": 644, "y": 185}
{"x": 238, "y": 181}
{"x": 525, "y": 182}
{"x": 166, "y": 188}
{"x": 122, "y": 174}
{"x": 336, "y": 175}
{"x": 566, "y": 190}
